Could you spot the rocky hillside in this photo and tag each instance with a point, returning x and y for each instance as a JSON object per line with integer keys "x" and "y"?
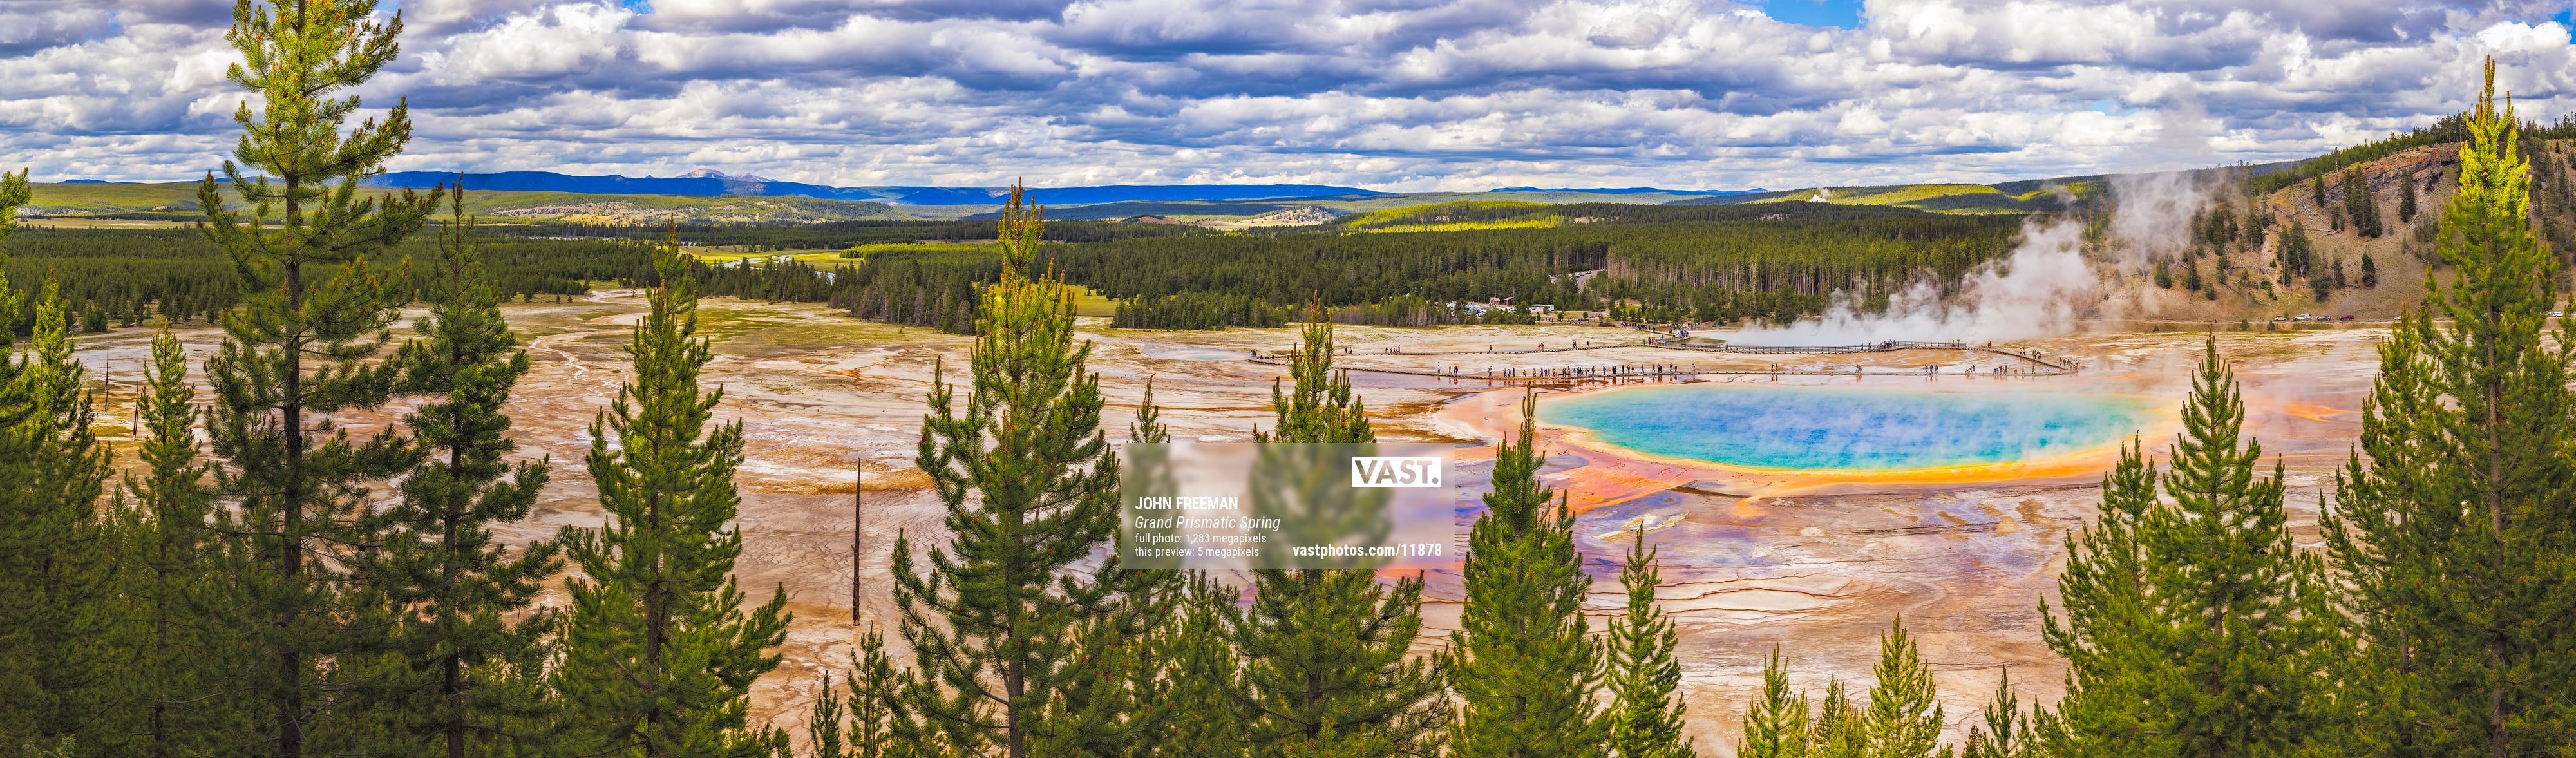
{"x": 2401, "y": 254}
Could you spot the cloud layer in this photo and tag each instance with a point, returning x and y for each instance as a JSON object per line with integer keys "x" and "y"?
{"x": 1385, "y": 94}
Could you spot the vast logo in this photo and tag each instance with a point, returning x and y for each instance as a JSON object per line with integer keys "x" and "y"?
{"x": 1395, "y": 471}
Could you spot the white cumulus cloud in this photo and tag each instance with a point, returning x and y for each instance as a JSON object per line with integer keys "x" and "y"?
{"x": 1388, "y": 94}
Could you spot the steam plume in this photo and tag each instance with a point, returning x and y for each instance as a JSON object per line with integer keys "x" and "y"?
{"x": 2043, "y": 289}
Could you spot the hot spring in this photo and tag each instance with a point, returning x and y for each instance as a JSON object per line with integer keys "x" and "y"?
{"x": 1868, "y": 429}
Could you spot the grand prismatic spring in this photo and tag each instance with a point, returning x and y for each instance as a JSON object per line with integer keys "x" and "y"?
{"x": 1862, "y": 429}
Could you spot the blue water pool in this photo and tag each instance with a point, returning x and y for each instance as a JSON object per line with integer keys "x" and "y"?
{"x": 1850, "y": 428}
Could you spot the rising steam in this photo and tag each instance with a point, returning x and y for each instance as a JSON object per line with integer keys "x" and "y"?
{"x": 2045, "y": 288}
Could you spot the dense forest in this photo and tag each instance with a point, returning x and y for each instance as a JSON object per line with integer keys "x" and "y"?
{"x": 836, "y": 234}
{"x": 1708, "y": 263}
{"x": 125, "y": 275}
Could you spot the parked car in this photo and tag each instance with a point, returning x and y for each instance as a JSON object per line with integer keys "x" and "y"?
{"x": 2303, "y": 317}
{"x": 2344, "y": 317}
{"x": 2557, "y": 314}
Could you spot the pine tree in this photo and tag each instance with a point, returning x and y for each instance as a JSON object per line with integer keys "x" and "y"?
{"x": 2457, "y": 538}
{"x": 1904, "y": 719}
{"x": 2406, "y": 199}
{"x": 2317, "y": 188}
{"x": 873, "y": 721}
{"x": 1192, "y": 704}
{"x": 2360, "y": 204}
{"x": 659, "y": 656}
{"x": 2239, "y": 611}
{"x": 1207, "y": 713}
{"x": 1643, "y": 676}
{"x": 1119, "y": 701}
{"x": 1775, "y": 725}
{"x": 1522, "y": 667}
{"x": 2298, "y": 254}
{"x": 2108, "y": 631}
{"x": 58, "y": 609}
{"x": 823, "y": 727}
{"x": 314, "y": 311}
{"x": 1327, "y": 669}
{"x": 881, "y": 725}
{"x": 2369, "y": 271}
{"x": 467, "y": 648}
{"x": 177, "y": 627}
{"x": 1001, "y": 630}
{"x": 2005, "y": 734}
{"x": 2191, "y": 629}
{"x": 1840, "y": 730}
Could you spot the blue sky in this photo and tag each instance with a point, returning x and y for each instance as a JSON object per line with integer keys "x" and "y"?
{"x": 1384, "y": 94}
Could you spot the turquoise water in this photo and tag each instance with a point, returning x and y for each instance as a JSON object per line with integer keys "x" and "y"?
{"x": 1849, "y": 428}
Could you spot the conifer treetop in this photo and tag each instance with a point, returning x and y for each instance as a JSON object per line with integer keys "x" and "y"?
{"x": 1001, "y": 630}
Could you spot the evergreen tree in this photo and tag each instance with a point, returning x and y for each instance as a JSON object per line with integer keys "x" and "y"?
{"x": 1120, "y": 701}
{"x": 873, "y": 722}
{"x": 468, "y": 650}
{"x": 659, "y": 656}
{"x": 1326, "y": 669}
{"x": 2360, "y": 204}
{"x": 881, "y": 725}
{"x": 2108, "y": 632}
{"x": 2369, "y": 271}
{"x": 314, "y": 311}
{"x": 176, "y": 631}
{"x": 1193, "y": 702}
{"x": 1643, "y": 676}
{"x": 1207, "y": 713}
{"x": 823, "y": 726}
{"x": 1840, "y": 730}
{"x": 1000, "y": 628}
{"x": 1775, "y": 726}
{"x": 2406, "y": 199}
{"x": 2191, "y": 629}
{"x": 1521, "y": 664}
{"x": 2457, "y": 537}
{"x": 2317, "y": 189}
{"x": 2005, "y": 734}
{"x": 2297, "y": 254}
{"x": 57, "y": 586}
{"x": 1903, "y": 719}
{"x": 2238, "y": 609}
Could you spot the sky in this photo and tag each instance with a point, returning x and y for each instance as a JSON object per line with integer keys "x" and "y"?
{"x": 1397, "y": 95}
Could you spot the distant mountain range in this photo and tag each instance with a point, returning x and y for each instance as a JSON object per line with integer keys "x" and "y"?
{"x": 709, "y": 183}
{"x": 1634, "y": 191}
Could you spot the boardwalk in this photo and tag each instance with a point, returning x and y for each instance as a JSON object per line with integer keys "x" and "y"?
{"x": 2039, "y": 365}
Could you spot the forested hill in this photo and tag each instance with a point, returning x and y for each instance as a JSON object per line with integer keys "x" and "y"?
{"x": 1707, "y": 263}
